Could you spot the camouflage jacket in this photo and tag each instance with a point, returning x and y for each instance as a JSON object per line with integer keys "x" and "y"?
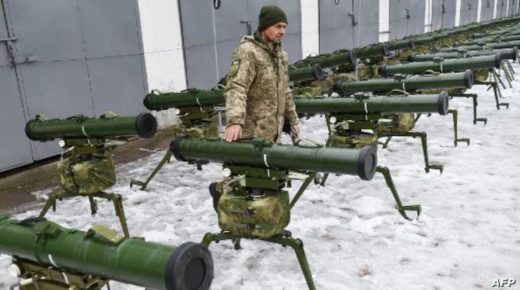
{"x": 257, "y": 93}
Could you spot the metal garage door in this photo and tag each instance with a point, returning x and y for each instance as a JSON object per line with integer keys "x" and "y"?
{"x": 367, "y": 18}
{"x": 443, "y": 14}
{"x": 406, "y": 18}
{"x": 468, "y": 11}
{"x": 513, "y": 7}
{"x": 15, "y": 149}
{"x": 502, "y": 8}
{"x": 487, "y": 10}
{"x": 336, "y": 25}
{"x": 75, "y": 57}
{"x": 348, "y": 23}
{"x": 211, "y": 30}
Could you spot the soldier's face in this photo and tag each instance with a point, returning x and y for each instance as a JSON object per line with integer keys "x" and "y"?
{"x": 275, "y": 32}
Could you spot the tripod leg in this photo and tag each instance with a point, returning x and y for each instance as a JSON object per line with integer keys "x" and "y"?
{"x": 455, "y": 114}
{"x": 385, "y": 144}
{"x": 390, "y": 183}
{"x": 117, "y": 199}
{"x": 498, "y": 94}
{"x": 498, "y": 79}
{"x": 511, "y": 69}
{"x": 297, "y": 246}
{"x": 93, "y": 205}
{"x": 51, "y": 202}
{"x": 424, "y": 143}
{"x": 475, "y": 105}
{"x": 144, "y": 184}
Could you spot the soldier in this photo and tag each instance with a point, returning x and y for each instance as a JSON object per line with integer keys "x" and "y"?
{"x": 258, "y": 97}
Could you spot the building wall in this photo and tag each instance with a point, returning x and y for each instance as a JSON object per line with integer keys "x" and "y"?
{"x": 310, "y": 28}
{"x": 88, "y": 64}
{"x": 163, "y": 50}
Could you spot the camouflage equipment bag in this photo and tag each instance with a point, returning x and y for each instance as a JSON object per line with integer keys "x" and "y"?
{"x": 87, "y": 176}
{"x": 260, "y": 215}
{"x": 367, "y": 72}
{"x": 396, "y": 123}
{"x": 423, "y": 49}
{"x": 199, "y": 122}
{"x": 352, "y": 141}
{"x": 309, "y": 92}
{"x": 481, "y": 75}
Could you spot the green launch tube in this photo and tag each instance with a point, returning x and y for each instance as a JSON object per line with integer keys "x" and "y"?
{"x": 361, "y": 162}
{"x": 447, "y": 65}
{"x": 436, "y": 103}
{"x": 128, "y": 260}
{"x": 39, "y": 129}
{"x": 440, "y": 81}
{"x": 298, "y": 74}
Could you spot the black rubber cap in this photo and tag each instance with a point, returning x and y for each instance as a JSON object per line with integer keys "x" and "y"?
{"x": 469, "y": 79}
{"x": 145, "y": 125}
{"x": 381, "y": 70}
{"x": 146, "y": 102}
{"x": 317, "y": 72}
{"x": 386, "y": 49}
{"x": 515, "y": 53}
{"x": 443, "y": 104}
{"x": 498, "y": 60}
{"x": 336, "y": 87}
{"x": 367, "y": 162}
{"x": 190, "y": 267}
{"x": 175, "y": 146}
{"x": 28, "y": 130}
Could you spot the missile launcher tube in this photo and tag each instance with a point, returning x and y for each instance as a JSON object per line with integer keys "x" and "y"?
{"x": 508, "y": 44}
{"x": 361, "y": 162}
{"x": 508, "y": 38}
{"x": 506, "y": 53}
{"x": 496, "y": 39}
{"x": 423, "y": 39}
{"x": 144, "y": 125}
{"x": 399, "y": 44}
{"x": 372, "y": 50}
{"x": 329, "y": 60}
{"x": 157, "y": 101}
{"x": 440, "y": 81}
{"x": 375, "y": 104}
{"x": 189, "y": 98}
{"x": 497, "y": 45}
{"x": 132, "y": 260}
{"x": 337, "y": 59}
{"x": 297, "y": 74}
{"x": 448, "y": 65}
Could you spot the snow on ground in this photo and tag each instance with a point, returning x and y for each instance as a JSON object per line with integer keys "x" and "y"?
{"x": 467, "y": 236}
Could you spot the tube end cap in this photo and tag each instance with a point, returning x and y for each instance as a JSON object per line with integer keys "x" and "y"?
{"x": 190, "y": 267}
{"x": 498, "y": 60}
{"x": 145, "y": 125}
{"x": 443, "y": 104}
{"x": 367, "y": 162}
{"x": 469, "y": 79}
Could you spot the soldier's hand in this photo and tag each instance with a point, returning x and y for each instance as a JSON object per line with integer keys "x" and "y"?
{"x": 233, "y": 132}
{"x": 295, "y": 131}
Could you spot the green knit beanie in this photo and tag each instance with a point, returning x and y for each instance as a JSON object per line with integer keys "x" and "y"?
{"x": 270, "y": 15}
